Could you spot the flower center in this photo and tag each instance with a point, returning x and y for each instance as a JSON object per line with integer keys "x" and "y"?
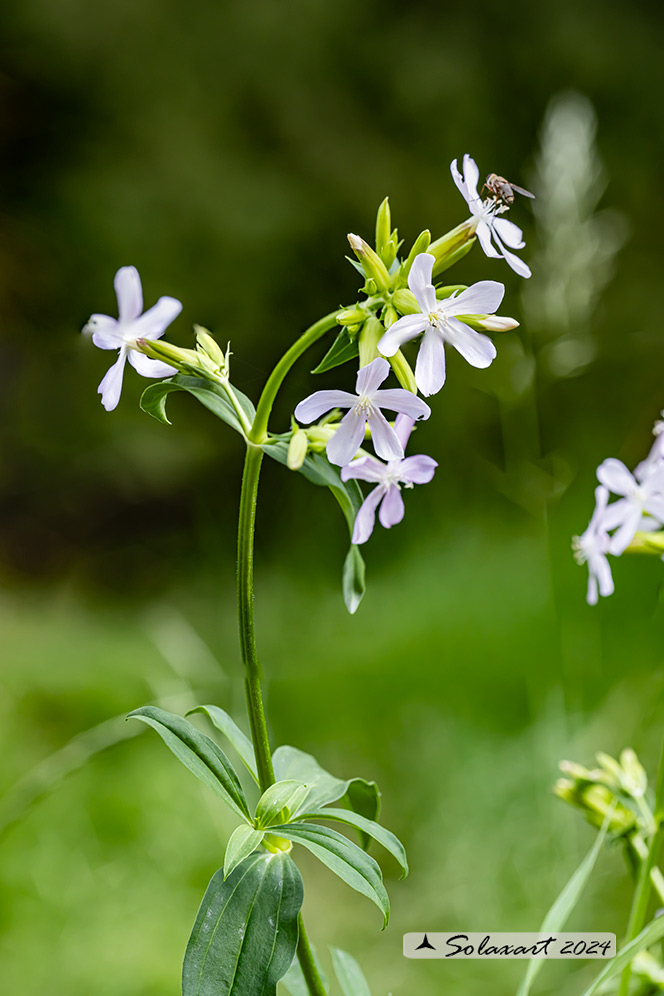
{"x": 363, "y": 407}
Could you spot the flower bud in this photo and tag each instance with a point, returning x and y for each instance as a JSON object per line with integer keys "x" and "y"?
{"x": 351, "y": 316}
{"x": 383, "y": 226}
{"x": 389, "y": 315}
{"x": 188, "y": 361}
{"x": 368, "y": 339}
{"x": 297, "y": 448}
{"x": 403, "y": 372}
{"x": 421, "y": 244}
{"x": 488, "y": 323}
{"x": 405, "y": 302}
{"x": 209, "y": 346}
{"x": 372, "y": 264}
{"x": 453, "y": 246}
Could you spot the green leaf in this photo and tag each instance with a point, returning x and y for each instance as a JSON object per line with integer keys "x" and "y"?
{"x": 243, "y": 841}
{"x": 654, "y": 931}
{"x": 211, "y": 395}
{"x": 353, "y": 579}
{"x": 245, "y": 935}
{"x": 343, "y": 348}
{"x": 291, "y": 763}
{"x": 562, "y": 907}
{"x": 239, "y": 741}
{"x": 279, "y": 802}
{"x": 349, "y": 974}
{"x": 385, "y": 837}
{"x": 294, "y": 981}
{"x": 343, "y": 857}
{"x": 198, "y": 753}
{"x": 363, "y": 797}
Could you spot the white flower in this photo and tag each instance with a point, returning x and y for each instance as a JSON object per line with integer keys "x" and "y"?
{"x": 388, "y": 479}
{"x": 640, "y": 497}
{"x": 122, "y": 332}
{"x": 592, "y": 547}
{"x": 438, "y": 322}
{"x": 364, "y": 407}
{"x": 489, "y": 225}
{"x": 656, "y": 456}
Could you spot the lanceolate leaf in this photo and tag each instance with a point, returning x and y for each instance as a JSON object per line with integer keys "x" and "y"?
{"x": 342, "y": 349}
{"x": 291, "y": 763}
{"x": 354, "y": 575}
{"x": 279, "y": 802}
{"x": 345, "y": 859}
{"x": 211, "y": 395}
{"x": 349, "y": 974}
{"x": 243, "y": 841}
{"x": 653, "y": 932}
{"x": 198, "y": 753}
{"x": 363, "y": 797}
{"x": 241, "y": 743}
{"x": 245, "y": 935}
{"x": 385, "y": 837}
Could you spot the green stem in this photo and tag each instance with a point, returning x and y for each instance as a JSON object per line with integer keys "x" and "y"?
{"x": 258, "y": 433}
{"x": 642, "y": 891}
{"x": 307, "y": 964}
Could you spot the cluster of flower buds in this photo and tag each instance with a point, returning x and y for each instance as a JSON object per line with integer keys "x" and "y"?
{"x": 401, "y": 302}
{"x": 633, "y": 522}
{"x": 616, "y": 791}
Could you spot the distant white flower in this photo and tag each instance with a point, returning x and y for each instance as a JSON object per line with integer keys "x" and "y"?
{"x": 122, "y": 332}
{"x": 489, "y": 225}
{"x": 592, "y": 548}
{"x": 656, "y": 456}
{"x": 439, "y": 323}
{"x": 389, "y": 479}
{"x": 640, "y": 497}
{"x": 365, "y": 406}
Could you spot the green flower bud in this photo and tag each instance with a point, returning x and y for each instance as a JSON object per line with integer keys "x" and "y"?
{"x": 636, "y": 779}
{"x": 383, "y": 226}
{"x": 403, "y": 372}
{"x": 421, "y": 244}
{"x": 372, "y": 264}
{"x": 351, "y": 316}
{"x": 652, "y": 543}
{"x": 209, "y": 346}
{"x": 297, "y": 448}
{"x": 448, "y": 289}
{"x": 453, "y": 246}
{"x": 389, "y": 315}
{"x": 405, "y": 302}
{"x": 368, "y": 339}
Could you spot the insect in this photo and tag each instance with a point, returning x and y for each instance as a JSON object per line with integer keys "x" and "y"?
{"x": 502, "y": 190}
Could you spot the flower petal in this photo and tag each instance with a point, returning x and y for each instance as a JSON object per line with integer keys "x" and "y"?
{"x": 157, "y": 318}
{"x": 148, "y": 367}
{"x": 517, "y": 264}
{"x": 347, "y": 439}
{"x": 483, "y": 232}
{"x": 111, "y": 386}
{"x": 403, "y": 426}
{"x": 482, "y": 298}
{"x": 655, "y": 507}
{"x": 370, "y": 378}
{"x": 510, "y": 233}
{"x": 430, "y": 365}
{"x": 625, "y": 534}
{"x": 602, "y": 569}
{"x": 385, "y": 440}
{"x": 418, "y": 469}
{"x": 105, "y": 331}
{"x": 366, "y": 516}
{"x": 459, "y": 180}
{"x": 129, "y": 292}
{"x": 476, "y": 348}
{"x": 397, "y": 399}
{"x": 614, "y": 475}
{"x": 419, "y": 281}
{"x": 471, "y": 175}
{"x": 591, "y": 596}
{"x": 403, "y": 330}
{"x": 392, "y": 510}
{"x": 366, "y": 468}
{"x": 320, "y": 402}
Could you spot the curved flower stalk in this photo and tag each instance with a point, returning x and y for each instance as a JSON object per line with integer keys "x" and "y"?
{"x": 389, "y": 479}
{"x": 631, "y": 523}
{"x": 121, "y": 333}
{"x": 440, "y": 323}
{"x": 490, "y": 228}
{"x": 364, "y": 407}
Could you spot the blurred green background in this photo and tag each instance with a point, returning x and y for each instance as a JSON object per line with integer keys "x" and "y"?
{"x": 226, "y": 149}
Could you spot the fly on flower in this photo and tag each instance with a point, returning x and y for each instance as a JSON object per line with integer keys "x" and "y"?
{"x": 389, "y": 479}
{"x": 121, "y": 333}
{"x": 503, "y": 190}
{"x": 489, "y": 227}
